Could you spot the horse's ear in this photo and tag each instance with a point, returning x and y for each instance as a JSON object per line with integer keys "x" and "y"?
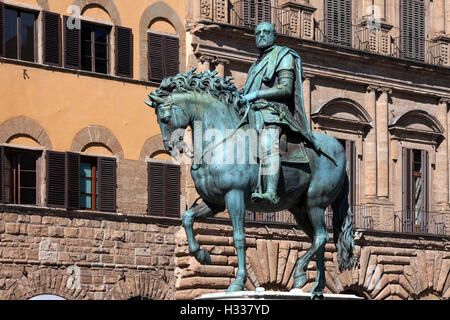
{"x": 151, "y": 105}
{"x": 155, "y": 100}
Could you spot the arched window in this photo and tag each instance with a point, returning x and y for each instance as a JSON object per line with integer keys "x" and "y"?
{"x": 47, "y": 297}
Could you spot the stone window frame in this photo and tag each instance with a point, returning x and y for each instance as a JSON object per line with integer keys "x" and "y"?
{"x": 403, "y": 137}
{"x": 345, "y": 128}
{"x": 159, "y": 10}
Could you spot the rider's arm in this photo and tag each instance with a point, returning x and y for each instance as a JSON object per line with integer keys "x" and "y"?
{"x": 285, "y": 86}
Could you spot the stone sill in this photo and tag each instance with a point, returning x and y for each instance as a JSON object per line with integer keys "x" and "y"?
{"x": 78, "y": 72}
{"x": 92, "y": 215}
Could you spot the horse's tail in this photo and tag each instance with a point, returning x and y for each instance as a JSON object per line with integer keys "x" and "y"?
{"x": 343, "y": 229}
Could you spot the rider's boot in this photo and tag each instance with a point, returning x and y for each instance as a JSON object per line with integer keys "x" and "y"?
{"x": 272, "y": 165}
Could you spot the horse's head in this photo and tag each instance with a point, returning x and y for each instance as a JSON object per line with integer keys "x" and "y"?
{"x": 172, "y": 120}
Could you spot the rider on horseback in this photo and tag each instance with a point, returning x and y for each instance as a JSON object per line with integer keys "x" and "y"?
{"x": 274, "y": 86}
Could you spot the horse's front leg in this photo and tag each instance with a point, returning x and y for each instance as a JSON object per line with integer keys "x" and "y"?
{"x": 236, "y": 209}
{"x": 199, "y": 211}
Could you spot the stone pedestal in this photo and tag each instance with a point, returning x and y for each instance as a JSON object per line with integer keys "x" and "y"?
{"x": 261, "y": 294}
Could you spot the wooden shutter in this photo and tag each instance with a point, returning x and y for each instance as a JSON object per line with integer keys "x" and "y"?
{"x": 413, "y": 29}
{"x": 172, "y": 190}
{"x": 72, "y": 46}
{"x": 155, "y": 56}
{"x": 172, "y": 56}
{"x": 56, "y": 179}
{"x": 2, "y": 174}
{"x": 338, "y": 22}
{"x": 106, "y": 184}
{"x": 2, "y": 29}
{"x": 52, "y": 38}
{"x": 124, "y": 52}
{"x": 73, "y": 180}
{"x": 155, "y": 188}
{"x": 163, "y": 189}
{"x": 255, "y": 11}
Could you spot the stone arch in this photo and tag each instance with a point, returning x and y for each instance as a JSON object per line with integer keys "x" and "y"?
{"x": 144, "y": 285}
{"x": 97, "y": 135}
{"x": 43, "y": 281}
{"x": 159, "y": 10}
{"x": 24, "y": 126}
{"x": 418, "y": 124}
{"x": 342, "y": 113}
{"x": 108, "y": 5}
{"x": 152, "y": 146}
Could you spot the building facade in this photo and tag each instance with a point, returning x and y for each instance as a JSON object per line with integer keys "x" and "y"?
{"x": 91, "y": 202}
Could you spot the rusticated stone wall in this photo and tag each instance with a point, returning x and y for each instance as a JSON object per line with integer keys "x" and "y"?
{"x": 388, "y": 266}
{"x": 85, "y": 255}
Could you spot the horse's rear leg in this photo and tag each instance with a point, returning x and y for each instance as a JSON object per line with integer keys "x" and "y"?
{"x": 234, "y": 200}
{"x": 198, "y": 211}
{"x": 320, "y": 235}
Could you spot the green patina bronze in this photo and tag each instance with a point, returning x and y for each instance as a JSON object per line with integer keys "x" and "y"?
{"x": 309, "y": 176}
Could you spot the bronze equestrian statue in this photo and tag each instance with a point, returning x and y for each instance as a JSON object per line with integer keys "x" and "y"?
{"x": 311, "y": 173}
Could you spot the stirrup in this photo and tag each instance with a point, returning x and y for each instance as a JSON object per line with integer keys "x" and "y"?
{"x": 269, "y": 196}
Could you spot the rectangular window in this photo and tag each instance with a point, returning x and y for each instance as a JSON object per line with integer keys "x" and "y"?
{"x": 338, "y": 22}
{"x": 81, "y": 182}
{"x": 20, "y": 176}
{"x": 94, "y": 48}
{"x": 19, "y": 34}
{"x": 415, "y": 191}
{"x": 413, "y": 29}
{"x": 163, "y": 56}
{"x": 163, "y": 189}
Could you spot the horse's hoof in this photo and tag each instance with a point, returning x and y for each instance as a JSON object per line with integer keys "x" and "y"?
{"x": 235, "y": 286}
{"x": 299, "y": 280}
{"x": 203, "y": 256}
{"x": 317, "y": 296}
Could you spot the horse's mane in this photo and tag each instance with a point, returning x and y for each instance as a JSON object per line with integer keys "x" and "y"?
{"x": 208, "y": 81}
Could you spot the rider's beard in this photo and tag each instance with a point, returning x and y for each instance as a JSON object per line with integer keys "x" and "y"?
{"x": 263, "y": 44}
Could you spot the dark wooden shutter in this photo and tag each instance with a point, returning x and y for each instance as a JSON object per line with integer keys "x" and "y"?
{"x": 124, "y": 52}
{"x": 338, "y": 22}
{"x": 413, "y": 29}
{"x": 172, "y": 56}
{"x": 72, "y": 46}
{"x": 52, "y": 38}
{"x": 163, "y": 189}
{"x": 255, "y": 11}
{"x": 106, "y": 184}
{"x": 155, "y": 56}
{"x": 2, "y": 29}
{"x": 172, "y": 190}
{"x": 156, "y": 188}
{"x": 56, "y": 179}
{"x": 73, "y": 180}
{"x": 2, "y": 174}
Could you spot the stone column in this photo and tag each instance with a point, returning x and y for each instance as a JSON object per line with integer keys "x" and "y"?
{"x": 307, "y": 96}
{"x": 441, "y": 189}
{"x": 370, "y": 148}
{"x": 380, "y": 10}
{"x": 382, "y": 108}
{"x": 220, "y": 66}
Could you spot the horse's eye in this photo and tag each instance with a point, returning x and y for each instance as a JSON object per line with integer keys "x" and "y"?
{"x": 165, "y": 118}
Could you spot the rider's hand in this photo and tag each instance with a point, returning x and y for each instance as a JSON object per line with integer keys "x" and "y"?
{"x": 249, "y": 97}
